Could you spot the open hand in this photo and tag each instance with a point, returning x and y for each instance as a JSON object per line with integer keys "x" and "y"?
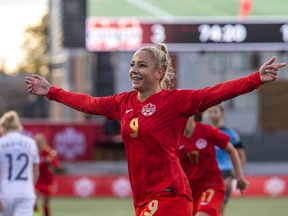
{"x": 37, "y": 85}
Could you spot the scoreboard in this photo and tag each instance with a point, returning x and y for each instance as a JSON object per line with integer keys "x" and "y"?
{"x": 128, "y": 34}
{"x": 215, "y": 33}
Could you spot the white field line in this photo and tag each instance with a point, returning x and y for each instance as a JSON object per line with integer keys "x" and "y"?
{"x": 152, "y": 9}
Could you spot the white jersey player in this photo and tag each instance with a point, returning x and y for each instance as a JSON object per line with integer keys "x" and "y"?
{"x": 19, "y": 168}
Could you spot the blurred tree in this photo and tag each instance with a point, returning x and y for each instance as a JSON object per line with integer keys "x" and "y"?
{"x": 35, "y": 47}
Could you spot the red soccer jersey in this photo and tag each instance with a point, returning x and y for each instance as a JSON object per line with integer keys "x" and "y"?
{"x": 47, "y": 159}
{"x": 198, "y": 158}
{"x": 152, "y": 130}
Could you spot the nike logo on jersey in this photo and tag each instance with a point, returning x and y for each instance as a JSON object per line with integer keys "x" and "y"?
{"x": 181, "y": 147}
{"x": 129, "y": 110}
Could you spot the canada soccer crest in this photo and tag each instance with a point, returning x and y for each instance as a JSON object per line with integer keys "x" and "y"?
{"x": 148, "y": 109}
{"x": 201, "y": 143}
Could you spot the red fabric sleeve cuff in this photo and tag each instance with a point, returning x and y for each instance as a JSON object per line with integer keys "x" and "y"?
{"x": 52, "y": 92}
{"x": 255, "y": 78}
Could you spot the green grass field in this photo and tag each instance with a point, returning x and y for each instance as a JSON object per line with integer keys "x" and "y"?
{"x": 124, "y": 207}
{"x": 176, "y": 8}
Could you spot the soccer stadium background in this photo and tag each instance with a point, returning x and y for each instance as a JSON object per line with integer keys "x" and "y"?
{"x": 91, "y": 45}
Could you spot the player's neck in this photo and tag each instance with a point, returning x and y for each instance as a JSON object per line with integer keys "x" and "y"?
{"x": 142, "y": 96}
{"x": 189, "y": 129}
{"x": 219, "y": 124}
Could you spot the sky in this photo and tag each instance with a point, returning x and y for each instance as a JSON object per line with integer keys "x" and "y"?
{"x": 15, "y": 16}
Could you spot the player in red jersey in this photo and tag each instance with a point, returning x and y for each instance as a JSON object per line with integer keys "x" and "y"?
{"x": 198, "y": 159}
{"x": 153, "y": 119}
{"x": 44, "y": 185}
{"x": 245, "y": 7}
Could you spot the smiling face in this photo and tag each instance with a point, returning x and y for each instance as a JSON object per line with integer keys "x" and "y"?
{"x": 144, "y": 74}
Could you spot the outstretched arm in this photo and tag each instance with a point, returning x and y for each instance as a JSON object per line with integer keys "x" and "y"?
{"x": 211, "y": 96}
{"x": 38, "y": 85}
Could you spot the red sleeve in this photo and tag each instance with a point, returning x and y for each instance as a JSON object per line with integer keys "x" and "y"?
{"x": 219, "y": 138}
{"x": 211, "y": 96}
{"x": 85, "y": 103}
{"x": 195, "y": 101}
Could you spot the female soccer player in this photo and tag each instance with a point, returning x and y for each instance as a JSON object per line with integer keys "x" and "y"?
{"x": 19, "y": 168}
{"x": 44, "y": 185}
{"x": 152, "y": 122}
{"x": 198, "y": 159}
{"x": 215, "y": 116}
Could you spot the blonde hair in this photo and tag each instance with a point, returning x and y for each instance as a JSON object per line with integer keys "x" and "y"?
{"x": 160, "y": 53}
{"x": 10, "y": 121}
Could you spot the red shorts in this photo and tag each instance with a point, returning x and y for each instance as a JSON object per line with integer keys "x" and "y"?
{"x": 164, "y": 206}
{"x": 44, "y": 189}
{"x": 210, "y": 202}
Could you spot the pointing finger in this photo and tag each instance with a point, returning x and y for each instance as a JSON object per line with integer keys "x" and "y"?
{"x": 270, "y": 61}
{"x": 280, "y": 65}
